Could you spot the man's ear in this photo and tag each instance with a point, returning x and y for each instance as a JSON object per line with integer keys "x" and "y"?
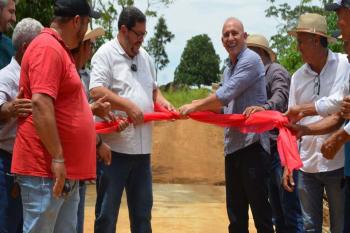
{"x": 123, "y": 29}
{"x": 245, "y": 35}
{"x": 77, "y": 21}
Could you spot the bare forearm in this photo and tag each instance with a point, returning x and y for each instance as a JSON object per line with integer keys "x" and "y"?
{"x": 341, "y": 136}
{"x": 45, "y": 124}
{"x": 117, "y": 102}
{"x": 158, "y": 96}
{"x": 210, "y": 103}
{"x": 5, "y": 112}
{"x": 308, "y": 109}
{"x": 324, "y": 126}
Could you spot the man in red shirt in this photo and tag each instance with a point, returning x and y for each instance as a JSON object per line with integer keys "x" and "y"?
{"x": 55, "y": 146}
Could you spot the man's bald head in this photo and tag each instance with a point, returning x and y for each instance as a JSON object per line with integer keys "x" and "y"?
{"x": 234, "y": 21}
{"x": 233, "y": 37}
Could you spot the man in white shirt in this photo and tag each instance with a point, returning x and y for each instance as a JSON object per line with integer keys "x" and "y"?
{"x": 323, "y": 74}
{"x": 12, "y": 107}
{"x": 124, "y": 73}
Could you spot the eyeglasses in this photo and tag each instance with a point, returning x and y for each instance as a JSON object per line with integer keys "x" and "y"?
{"x": 140, "y": 35}
{"x": 317, "y": 85}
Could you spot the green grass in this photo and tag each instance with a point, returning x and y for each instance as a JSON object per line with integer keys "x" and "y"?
{"x": 184, "y": 96}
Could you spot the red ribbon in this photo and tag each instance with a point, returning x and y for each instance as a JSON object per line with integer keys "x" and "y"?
{"x": 258, "y": 122}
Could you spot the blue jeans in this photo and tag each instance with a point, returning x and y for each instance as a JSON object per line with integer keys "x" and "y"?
{"x": 286, "y": 209}
{"x": 132, "y": 172}
{"x": 42, "y": 212}
{"x": 11, "y": 218}
{"x": 347, "y": 205}
{"x": 311, "y": 187}
{"x": 247, "y": 174}
{"x": 81, "y": 207}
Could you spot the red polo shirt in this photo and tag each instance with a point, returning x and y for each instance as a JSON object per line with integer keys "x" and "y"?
{"x": 48, "y": 68}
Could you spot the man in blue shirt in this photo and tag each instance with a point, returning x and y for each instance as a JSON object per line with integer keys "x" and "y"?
{"x": 7, "y": 18}
{"x": 246, "y": 159}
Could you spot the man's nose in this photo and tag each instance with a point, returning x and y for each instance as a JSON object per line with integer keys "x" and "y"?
{"x": 13, "y": 18}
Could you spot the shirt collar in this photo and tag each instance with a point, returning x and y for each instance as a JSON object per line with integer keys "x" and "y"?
{"x": 119, "y": 47}
{"x": 15, "y": 64}
{"x": 330, "y": 59}
{"x": 57, "y": 36}
{"x": 238, "y": 57}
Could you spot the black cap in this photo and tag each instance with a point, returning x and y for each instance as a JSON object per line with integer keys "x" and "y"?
{"x": 73, "y": 8}
{"x": 338, "y": 4}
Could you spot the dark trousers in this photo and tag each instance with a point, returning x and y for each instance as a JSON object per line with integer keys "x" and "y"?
{"x": 286, "y": 209}
{"x": 132, "y": 172}
{"x": 247, "y": 173}
{"x": 347, "y": 205}
{"x": 11, "y": 213}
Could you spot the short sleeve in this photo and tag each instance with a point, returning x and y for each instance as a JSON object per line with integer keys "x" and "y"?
{"x": 46, "y": 71}
{"x": 100, "y": 75}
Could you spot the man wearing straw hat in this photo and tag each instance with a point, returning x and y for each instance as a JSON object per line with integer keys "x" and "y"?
{"x": 323, "y": 74}
{"x": 285, "y": 205}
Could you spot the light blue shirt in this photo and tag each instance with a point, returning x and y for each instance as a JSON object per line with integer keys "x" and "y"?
{"x": 243, "y": 86}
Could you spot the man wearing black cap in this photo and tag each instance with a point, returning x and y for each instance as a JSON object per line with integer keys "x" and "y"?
{"x": 55, "y": 146}
{"x": 342, "y": 8}
{"x": 333, "y": 144}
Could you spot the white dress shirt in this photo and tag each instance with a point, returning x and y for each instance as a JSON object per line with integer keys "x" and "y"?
{"x": 111, "y": 68}
{"x": 9, "y": 79}
{"x": 307, "y": 86}
{"x": 331, "y": 104}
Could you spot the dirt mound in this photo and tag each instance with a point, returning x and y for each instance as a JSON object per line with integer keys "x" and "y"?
{"x": 188, "y": 152}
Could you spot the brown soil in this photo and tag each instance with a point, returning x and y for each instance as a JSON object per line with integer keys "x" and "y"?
{"x": 187, "y": 152}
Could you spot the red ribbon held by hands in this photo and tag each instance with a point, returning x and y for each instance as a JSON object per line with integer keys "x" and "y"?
{"x": 258, "y": 122}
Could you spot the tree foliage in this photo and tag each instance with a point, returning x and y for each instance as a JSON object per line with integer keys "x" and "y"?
{"x": 199, "y": 63}
{"x": 156, "y": 45}
{"x": 43, "y": 11}
{"x": 36, "y": 9}
{"x": 111, "y": 8}
{"x": 284, "y": 44}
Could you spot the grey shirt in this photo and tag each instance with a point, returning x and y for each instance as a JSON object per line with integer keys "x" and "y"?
{"x": 277, "y": 81}
{"x": 243, "y": 86}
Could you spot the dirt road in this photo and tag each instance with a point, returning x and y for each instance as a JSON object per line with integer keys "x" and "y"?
{"x": 187, "y": 152}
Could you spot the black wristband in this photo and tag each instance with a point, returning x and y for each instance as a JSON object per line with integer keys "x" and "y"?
{"x": 99, "y": 142}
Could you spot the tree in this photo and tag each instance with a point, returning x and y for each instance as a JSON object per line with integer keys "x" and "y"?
{"x": 199, "y": 63}
{"x": 284, "y": 44}
{"x": 109, "y": 9}
{"x": 156, "y": 45}
{"x": 43, "y": 12}
{"x": 39, "y": 10}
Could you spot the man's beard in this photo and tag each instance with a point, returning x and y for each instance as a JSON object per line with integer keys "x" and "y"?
{"x": 80, "y": 36}
{"x": 131, "y": 47}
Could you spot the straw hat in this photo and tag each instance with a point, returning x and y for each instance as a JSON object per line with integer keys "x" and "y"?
{"x": 93, "y": 34}
{"x": 314, "y": 24}
{"x": 261, "y": 42}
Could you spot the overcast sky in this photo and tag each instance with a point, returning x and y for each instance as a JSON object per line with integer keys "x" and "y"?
{"x": 187, "y": 18}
